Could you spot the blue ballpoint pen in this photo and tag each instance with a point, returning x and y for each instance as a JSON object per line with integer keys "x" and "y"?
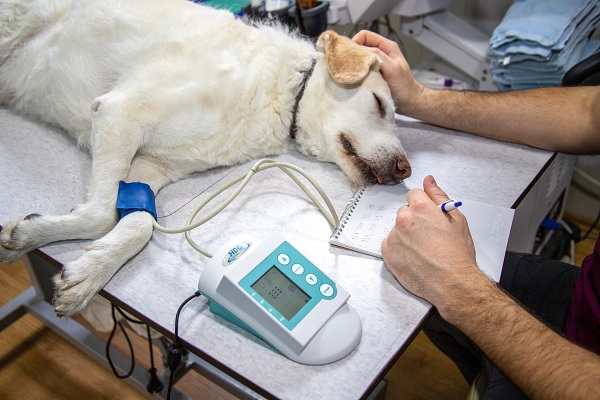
{"x": 450, "y": 205}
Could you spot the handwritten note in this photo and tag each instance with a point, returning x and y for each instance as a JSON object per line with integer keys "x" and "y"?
{"x": 371, "y": 214}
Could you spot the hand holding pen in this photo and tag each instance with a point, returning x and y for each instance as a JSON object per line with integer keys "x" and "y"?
{"x": 450, "y": 205}
{"x": 430, "y": 251}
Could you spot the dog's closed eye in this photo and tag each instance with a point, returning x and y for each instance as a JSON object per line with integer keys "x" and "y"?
{"x": 347, "y": 145}
{"x": 379, "y": 105}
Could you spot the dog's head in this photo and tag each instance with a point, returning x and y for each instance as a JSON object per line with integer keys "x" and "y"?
{"x": 347, "y": 115}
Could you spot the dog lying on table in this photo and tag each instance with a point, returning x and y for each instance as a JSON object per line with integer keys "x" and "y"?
{"x": 160, "y": 89}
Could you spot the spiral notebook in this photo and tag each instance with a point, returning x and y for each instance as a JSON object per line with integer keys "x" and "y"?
{"x": 371, "y": 214}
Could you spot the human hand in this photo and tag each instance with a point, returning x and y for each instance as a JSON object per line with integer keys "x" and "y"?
{"x": 394, "y": 68}
{"x": 430, "y": 252}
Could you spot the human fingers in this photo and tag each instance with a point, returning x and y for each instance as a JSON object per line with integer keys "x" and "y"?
{"x": 419, "y": 201}
{"x": 418, "y": 250}
{"x": 416, "y": 243}
{"x": 372, "y": 39}
{"x": 394, "y": 69}
{"x": 434, "y": 192}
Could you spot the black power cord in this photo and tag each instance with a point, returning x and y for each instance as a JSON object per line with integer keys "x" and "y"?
{"x": 154, "y": 385}
{"x": 592, "y": 227}
{"x": 175, "y": 348}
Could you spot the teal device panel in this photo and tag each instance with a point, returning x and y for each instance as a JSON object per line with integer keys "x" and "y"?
{"x": 288, "y": 285}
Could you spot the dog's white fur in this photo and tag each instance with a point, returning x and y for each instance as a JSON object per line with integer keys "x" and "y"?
{"x": 160, "y": 89}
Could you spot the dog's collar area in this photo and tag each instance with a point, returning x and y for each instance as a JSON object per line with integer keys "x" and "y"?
{"x": 307, "y": 75}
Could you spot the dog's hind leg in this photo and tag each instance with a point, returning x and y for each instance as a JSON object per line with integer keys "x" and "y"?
{"x": 81, "y": 279}
{"x": 116, "y": 138}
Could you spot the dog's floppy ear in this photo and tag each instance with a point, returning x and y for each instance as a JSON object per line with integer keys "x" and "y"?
{"x": 348, "y": 63}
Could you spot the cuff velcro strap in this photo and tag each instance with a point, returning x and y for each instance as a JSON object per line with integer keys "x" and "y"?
{"x": 135, "y": 196}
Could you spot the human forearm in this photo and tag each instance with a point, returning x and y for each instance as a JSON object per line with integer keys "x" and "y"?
{"x": 542, "y": 363}
{"x": 432, "y": 255}
{"x": 559, "y": 119}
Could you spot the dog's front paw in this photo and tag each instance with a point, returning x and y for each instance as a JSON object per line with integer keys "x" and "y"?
{"x": 14, "y": 240}
{"x": 80, "y": 280}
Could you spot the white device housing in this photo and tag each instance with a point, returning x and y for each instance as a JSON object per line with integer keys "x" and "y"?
{"x": 322, "y": 330}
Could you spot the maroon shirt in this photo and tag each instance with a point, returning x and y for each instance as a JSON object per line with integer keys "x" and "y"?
{"x": 583, "y": 320}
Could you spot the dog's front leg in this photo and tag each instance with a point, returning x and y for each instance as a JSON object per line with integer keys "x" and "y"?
{"x": 116, "y": 137}
{"x": 81, "y": 279}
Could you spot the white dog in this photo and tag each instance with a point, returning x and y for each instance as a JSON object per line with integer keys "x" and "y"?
{"x": 160, "y": 89}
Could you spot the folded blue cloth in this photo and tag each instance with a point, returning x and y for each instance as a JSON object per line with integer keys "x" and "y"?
{"x": 525, "y": 45}
{"x": 547, "y": 22}
{"x": 525, "y": 75}
{"x": 538, "y": 41}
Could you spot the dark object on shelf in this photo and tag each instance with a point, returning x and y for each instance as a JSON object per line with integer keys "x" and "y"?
{"x": 260, "y": 14}
{"x": 560, "y": 239}
{"x": 584, "y": 73}
{"x": 311, "y": 22}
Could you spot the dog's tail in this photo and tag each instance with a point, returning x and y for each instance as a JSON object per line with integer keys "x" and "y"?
{"x": 21, "y": 20}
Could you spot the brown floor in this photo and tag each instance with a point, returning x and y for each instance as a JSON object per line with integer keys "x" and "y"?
{"x": 36, "y": 363}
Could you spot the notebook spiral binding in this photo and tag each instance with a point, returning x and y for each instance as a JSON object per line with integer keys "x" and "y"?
{"x": 347, "y": 212}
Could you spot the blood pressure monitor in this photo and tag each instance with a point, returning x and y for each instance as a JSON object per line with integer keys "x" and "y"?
{"x": 270, "y": 289}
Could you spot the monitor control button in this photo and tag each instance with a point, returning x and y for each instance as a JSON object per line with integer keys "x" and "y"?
{"x": 298, "y": 269}
{"x": 283, "y": 259}
{"x": 326, "y": 290}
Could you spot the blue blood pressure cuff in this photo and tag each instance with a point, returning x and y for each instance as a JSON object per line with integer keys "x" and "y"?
{"x": 135, "y": 196}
